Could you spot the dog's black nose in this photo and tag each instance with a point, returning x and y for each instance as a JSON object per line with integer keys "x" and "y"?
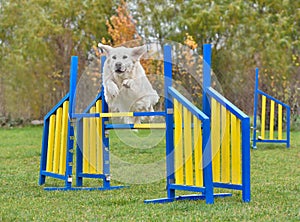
{"x": 118, "y": 66}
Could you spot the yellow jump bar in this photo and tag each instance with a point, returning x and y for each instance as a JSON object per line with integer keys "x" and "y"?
{"x": 149, "y": 126}
{"x": 116, "y": 114}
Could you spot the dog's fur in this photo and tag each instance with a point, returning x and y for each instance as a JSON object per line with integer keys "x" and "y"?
{"x": 126, "y": 86}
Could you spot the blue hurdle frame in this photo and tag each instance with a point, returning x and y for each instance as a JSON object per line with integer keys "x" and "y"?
{"x": 170, "y": 93}
{"x": 75, "y": 119}
{"x": 258, "y": 92}
{"x": 67, "y": 177}
{"x": 208, "y": 189}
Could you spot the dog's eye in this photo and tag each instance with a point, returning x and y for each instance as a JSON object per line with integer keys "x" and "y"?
{"x": 114, "y": 57}
{"x": 125, "y": 57}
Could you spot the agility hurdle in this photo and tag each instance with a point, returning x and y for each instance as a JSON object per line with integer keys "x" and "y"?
{"x": 58, "y": 144}
{"x": 209, "y": 149}
{"x": 204, "y": 149}
{"x": 274, "y": 106}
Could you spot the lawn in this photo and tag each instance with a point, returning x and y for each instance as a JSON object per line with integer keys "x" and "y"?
{"x": 275, "y": 185}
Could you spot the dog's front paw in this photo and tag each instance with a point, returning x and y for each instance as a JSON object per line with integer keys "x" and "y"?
{"x": 113, "y": 90}
{"x": 128, "y": 83}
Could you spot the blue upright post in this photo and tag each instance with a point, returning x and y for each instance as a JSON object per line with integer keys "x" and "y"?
{"x": 288, "y": 116}
{"x": 246, "y": 190}
{"x": 206, "y": 78}
{"x": 169, "y": 121}
{"x": 73, "y": 82}
{"x": 206, "y": 150}
{"x": 105, "y": 138}
{"x": 207, "y": 163}
{"x": 79, "y": 152}
{"x": 70, "y": 142}
{"x": 44, "y": 152}
{"x": 255, "y": 108}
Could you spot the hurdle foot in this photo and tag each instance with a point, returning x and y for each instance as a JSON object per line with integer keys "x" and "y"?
{"x": 83, "y": 188}
{"x": 185, "y": 197}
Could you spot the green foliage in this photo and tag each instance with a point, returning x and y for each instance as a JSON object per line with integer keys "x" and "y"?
{"x": 245, "y": 35}
{"x": 37, "y": 41}
{"x": 158, "y": 19}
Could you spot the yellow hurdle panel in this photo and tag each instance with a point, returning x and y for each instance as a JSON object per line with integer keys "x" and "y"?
{"x": 198, "y": 151}
{"x": 99, "y": 139}
{"x": 272, "y": 112}
{"x": 239, "y": 152}
{"x": 263, "y": 116}
{"x": 215, "y": 142}
{"x": 93, "y": 150}
{"x": 178, "y": 143}
{"x": 188, "y": 147}
{"x": 64, "y": 135}
{"x": 233, "y": 146}
{"x": 85, "y": 148}
{"x": 57, "y": 140}
{"x": 279, "y": 122}
{"x": 235, "y": 150}
{"x": 49, "y": 165}
{"x": 225, "y": 156}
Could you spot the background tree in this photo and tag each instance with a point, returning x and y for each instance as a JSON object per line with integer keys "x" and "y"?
{"x": 158, "y": 20}
{"x": 121, "y": 26}
{"x": 37, "y": 41}
{"x": 245, "y": 35}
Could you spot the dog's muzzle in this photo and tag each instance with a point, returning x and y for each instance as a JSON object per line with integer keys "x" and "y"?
{"x": 119, "y": 68}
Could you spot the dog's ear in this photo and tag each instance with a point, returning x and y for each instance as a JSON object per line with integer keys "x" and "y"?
{"x": 138, "y": 52}
{"x": 104, "y": 48}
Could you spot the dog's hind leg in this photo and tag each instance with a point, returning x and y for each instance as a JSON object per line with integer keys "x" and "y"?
{"x": 151, "y": 110}
{"x": 137, "y": 120}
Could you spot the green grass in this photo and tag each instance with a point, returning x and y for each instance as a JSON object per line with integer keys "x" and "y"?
{"x": 275, "y": 184}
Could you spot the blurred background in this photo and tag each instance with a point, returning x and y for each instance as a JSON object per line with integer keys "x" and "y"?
{"x": 38, "y": 37}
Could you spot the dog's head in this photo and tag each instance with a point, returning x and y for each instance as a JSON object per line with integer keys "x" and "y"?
{"x": 121, "y": 60}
